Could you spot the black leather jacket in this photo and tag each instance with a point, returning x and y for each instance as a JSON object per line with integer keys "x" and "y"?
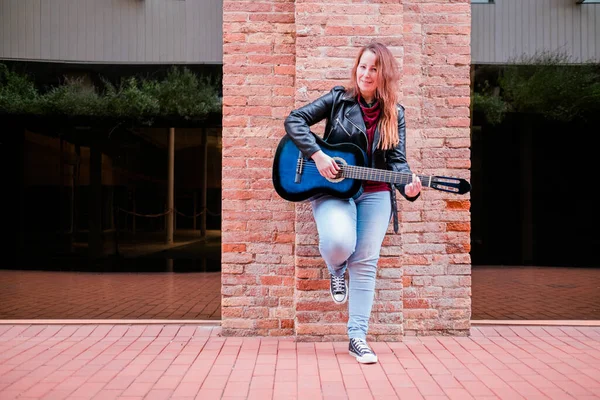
{"x": 344, "y": 123}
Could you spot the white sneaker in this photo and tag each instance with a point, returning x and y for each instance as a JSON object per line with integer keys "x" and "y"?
{"x": 361, "y": 350}
{"x": 338, "y": 289}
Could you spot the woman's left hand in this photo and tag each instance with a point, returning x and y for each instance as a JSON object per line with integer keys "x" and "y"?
{"x": 413, "y": 188}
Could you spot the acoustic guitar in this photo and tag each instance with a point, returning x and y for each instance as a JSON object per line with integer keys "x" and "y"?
{"x": 296, "y": 177}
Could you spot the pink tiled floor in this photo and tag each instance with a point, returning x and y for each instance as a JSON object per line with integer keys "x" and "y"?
{"x": 189, "y": 361}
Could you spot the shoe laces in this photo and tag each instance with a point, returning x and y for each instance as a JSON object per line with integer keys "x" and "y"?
{"x": 362, "y": 346}
{"x": 338, "y": 283}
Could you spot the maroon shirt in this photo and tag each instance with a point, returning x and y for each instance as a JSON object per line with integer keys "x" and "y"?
{"x": 371, "y": 117}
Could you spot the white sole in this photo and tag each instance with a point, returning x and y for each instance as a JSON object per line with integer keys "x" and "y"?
{"x": 366, "y": 359}
{"x": 338, "y": 302}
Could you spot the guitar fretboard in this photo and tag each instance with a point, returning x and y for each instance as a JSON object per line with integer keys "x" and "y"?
{"x": 381, "y": 175}
{"x": 442, "y": 183}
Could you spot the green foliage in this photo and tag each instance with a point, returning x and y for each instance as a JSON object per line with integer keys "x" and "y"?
{"x": 131, "y": 98}
{"x": 174, "y": 94}
{"x": 181, "y": 94}
{"x": 547, "y": 84}
{"x": 73, "y": 98}
{"x": 17, "y": 92}
{"x": 487, "y": 101}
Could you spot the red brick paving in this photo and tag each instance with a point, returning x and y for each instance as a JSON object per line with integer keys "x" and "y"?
{"x": 194, "y": 362}
{"x": 535, "y": 293}
{"x": 503, "y": 292}
{"x": 82, "y": 295}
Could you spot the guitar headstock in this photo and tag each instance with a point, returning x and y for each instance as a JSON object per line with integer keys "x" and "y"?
{"x": 449, "y": 184}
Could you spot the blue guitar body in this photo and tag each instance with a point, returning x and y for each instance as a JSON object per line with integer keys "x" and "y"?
{"x": 296, "y": 178}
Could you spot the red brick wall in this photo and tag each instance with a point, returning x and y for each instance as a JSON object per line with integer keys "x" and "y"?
{"x": 281, "y": 54}
{"x": 436, "y": 228}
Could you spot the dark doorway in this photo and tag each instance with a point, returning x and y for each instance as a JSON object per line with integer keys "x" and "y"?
{"x": 534, "y": 214}
{"x": 533, "y": 200}
{"x": 534, "y": 220}
{"x": 66, "y": 179}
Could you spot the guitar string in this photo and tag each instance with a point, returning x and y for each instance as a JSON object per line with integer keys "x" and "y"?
{"x": 366, "y": 175}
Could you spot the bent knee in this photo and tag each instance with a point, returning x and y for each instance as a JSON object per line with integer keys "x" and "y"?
{"x": 336, "y": 251}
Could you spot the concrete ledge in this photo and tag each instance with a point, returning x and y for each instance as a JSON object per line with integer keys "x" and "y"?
{"x": 109, "y": 322}
{"x": 482, "y": 322}
{"x": 520, "y": 322}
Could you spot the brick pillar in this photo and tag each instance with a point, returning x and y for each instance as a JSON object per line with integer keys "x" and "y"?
{"x": 281, "y": 54}
{"x": 328, "y": 35}
{"x": 436, "y": 228}
{"x": 257, "y": 227}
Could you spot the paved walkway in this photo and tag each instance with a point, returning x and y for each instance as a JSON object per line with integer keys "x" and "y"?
{"x": 535, "y": 293}
{"x": 498, "y": 293}
{"x": 85, "y": 295}
{"x": 191, "y": 361}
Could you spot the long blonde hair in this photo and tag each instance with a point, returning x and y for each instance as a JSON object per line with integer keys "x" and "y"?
{"x": 388, "y": 74}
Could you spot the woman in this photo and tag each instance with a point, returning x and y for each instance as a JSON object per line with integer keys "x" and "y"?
{"x": 351, "y": 231}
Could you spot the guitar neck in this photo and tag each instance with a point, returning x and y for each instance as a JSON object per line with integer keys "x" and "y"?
{"x": 381, "y": 175}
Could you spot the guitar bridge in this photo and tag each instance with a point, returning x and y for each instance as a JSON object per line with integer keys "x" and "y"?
{"x": 299, "y": 168}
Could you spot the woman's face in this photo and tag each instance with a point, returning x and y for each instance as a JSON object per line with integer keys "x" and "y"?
{"x": 367, "y": 75}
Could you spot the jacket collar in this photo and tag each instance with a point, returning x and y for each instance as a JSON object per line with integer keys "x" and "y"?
{"x": 354, "y": 115}
{"x": 346, "y": 97}
{"x": 352, "y": 112}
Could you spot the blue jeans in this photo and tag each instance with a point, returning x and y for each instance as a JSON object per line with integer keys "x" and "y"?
{"x": 350, "y": 237}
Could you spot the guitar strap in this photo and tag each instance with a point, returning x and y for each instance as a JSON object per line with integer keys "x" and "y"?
{"x": 394, "y": 209}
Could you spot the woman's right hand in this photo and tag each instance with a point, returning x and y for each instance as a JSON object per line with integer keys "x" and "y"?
{"x": 326, "y": 165}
